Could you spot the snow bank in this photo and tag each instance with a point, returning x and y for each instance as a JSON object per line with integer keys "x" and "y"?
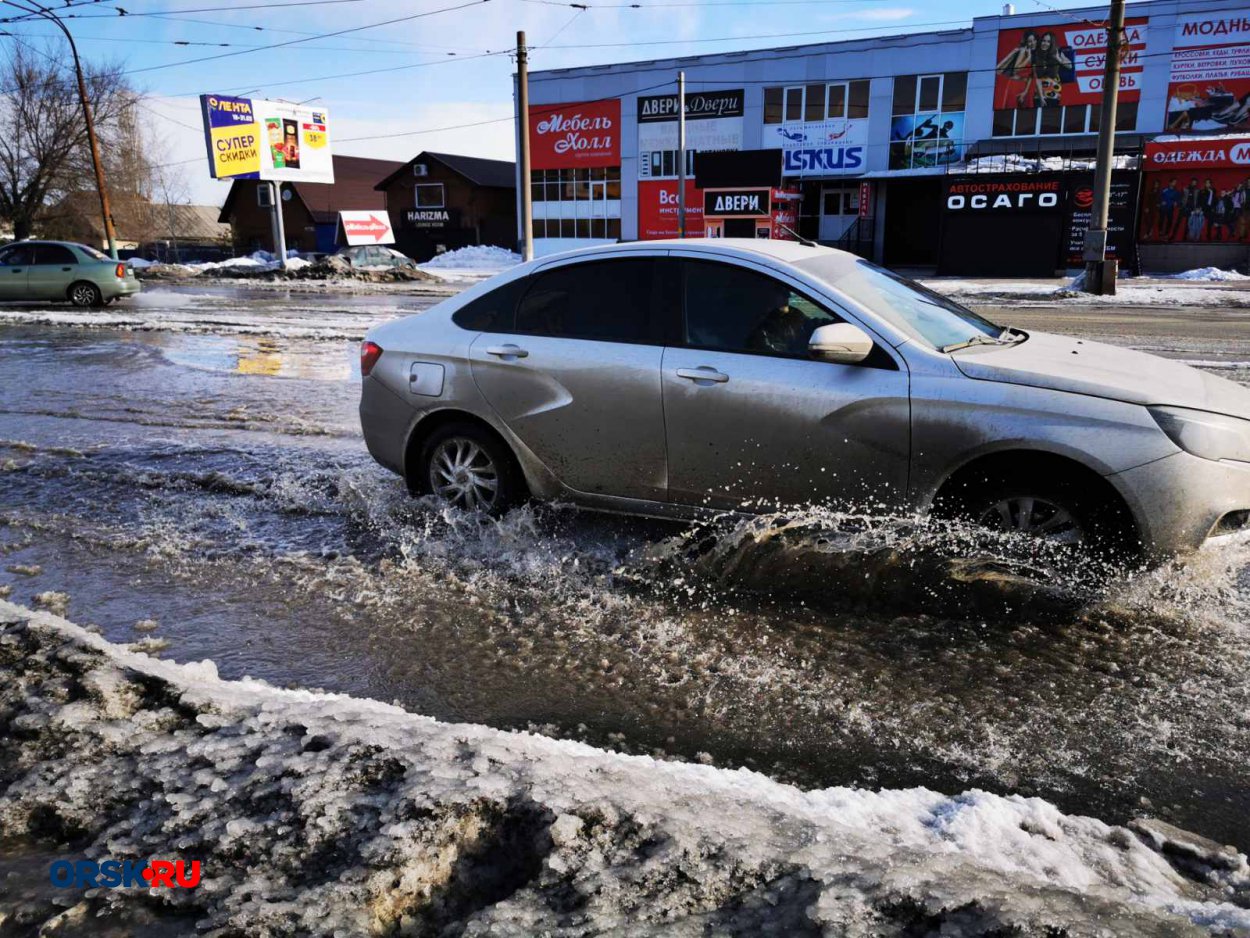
{"x": 321, "y": 814}
{"x": 475, "y": 257}
{"x": 1209, "y": 274}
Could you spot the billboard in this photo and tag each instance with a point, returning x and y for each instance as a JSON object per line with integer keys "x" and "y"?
{"x": 1209, "y": 83}
{"x": 575, "y": 136}
{"x": 657, "y": 209}
{"x": 1196, "y": 190}
{"x": 922, "y": 141}
{"x": 249, "y": 138}
{"x": 1049, "y": 66}
{"x": 713, "y": 124}
{"x": 819, "y": 148}
{"x": 1120, "y": 211}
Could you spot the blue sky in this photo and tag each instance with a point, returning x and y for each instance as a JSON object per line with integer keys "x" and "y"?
{"x": 446, "y": 68}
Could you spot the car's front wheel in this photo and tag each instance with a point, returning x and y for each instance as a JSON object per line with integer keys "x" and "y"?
{"x": 83, "y": 293}
{"x": 1057, "y": 510}
{"x": 469, "y": 468}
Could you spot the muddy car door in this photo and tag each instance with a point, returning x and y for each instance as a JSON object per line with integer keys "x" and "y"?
{"x": 578, "y": 377}
{"x": 754, "y": 421}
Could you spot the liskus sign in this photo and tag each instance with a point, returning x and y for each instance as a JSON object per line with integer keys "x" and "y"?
{"x": 567, "y": 136}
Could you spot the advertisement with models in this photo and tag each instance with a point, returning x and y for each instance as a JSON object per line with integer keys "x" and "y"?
{"x": 1209, "y": 83}
{"x": 1196, "y": 191}
{"x": 575, "y": 136}
{"x": 249, "y": 138}
{"x": 819, "y": 148}
{"x": 1050, "y": 66}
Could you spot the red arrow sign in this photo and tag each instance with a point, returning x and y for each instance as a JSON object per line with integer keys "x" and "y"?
{"x": 366, "y": 228}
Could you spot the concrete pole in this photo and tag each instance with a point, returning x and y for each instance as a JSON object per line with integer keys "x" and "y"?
{"x": 523, "y": 164}
{"x": 1100, "y": 273}
{"x": 681, "y": 154}
{"x": 279, "y": 225}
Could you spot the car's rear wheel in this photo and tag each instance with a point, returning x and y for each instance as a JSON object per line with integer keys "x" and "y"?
{"x": 83, "y": 293}
{"x": 469, "y": 468}
{"x": 1053, "y": 509}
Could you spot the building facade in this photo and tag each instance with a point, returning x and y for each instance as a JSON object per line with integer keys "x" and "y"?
{"x": 442, "y": 201}
{"x": 916, "y": 149}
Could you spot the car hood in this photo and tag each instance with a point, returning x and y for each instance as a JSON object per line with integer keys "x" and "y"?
{"x": 1083, "y": 367}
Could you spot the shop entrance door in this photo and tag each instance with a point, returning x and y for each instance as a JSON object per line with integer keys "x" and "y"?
{"x": 839, "y": 207}
{"x": 739, "y": 227}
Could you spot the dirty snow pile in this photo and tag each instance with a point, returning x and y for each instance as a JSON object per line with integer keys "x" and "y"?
{"x": 1210, "y": 275}
{"x": 321, "y": 814}
{"x": 475, "y": 257}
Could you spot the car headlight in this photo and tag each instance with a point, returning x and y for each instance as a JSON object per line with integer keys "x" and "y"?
{"x": 1211, "y": 436}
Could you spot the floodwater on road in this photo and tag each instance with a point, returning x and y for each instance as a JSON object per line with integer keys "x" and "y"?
{"x": 203, "y": 489}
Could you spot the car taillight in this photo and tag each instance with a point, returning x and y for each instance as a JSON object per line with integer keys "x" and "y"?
{"x": 121, "y": 271}
{"x": 370, "y": 352}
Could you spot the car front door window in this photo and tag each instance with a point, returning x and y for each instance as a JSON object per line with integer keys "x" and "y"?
{"x": 733, "y": 309}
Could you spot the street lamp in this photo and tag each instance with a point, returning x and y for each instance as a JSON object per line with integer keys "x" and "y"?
{"x": 105, "y": 211}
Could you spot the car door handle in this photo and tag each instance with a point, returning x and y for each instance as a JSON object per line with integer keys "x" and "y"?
{"x": 18, "y": 270}
{"x": 67, "y": 269}
{"x": 703, "y": 373}
{"x": 507, "y": 351}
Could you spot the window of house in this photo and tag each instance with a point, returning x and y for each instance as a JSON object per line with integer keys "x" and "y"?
{"x": 429, "y": 194}
{"x": 773, "y": 105}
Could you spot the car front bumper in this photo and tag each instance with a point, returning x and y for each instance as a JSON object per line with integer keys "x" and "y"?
{"x": 1182, "y": 502}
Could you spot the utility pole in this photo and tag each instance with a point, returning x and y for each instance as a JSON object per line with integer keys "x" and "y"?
{"x": 1100, "y": 273}
{"x": 523, "y": 165}
{"x": 105, "y": 211}
{"x": 279, "y": 225}
{"x": 681, "y": 154}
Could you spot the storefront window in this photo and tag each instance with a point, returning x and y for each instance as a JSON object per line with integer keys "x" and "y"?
{"x": 772, "y": 105}
{"x": 928, "y": 125}
{"x": 838, "y": 100}
{"x": 1052, "y": 121}
{"x": 576, "y": 203}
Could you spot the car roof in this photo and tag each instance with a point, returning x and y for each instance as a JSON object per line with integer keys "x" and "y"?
{"x": 64, "y": 244}
{"x": 790, "y": 252}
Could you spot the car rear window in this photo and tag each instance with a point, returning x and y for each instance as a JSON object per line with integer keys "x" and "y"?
{"x": 609, "y": 300}
{"x": 93, "y": 253}
{"x": 492, "y": 312}
{"x": 54, "y": 254}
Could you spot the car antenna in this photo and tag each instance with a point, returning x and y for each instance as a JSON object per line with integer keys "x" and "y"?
{"x": 807, "y": 242}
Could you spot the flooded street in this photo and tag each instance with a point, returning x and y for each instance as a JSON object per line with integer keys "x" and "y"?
{"x": 188, "y": 471}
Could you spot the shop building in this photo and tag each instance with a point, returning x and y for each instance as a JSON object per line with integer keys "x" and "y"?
{"x": 441, "y": 201}
{"x": 879, "y": 137}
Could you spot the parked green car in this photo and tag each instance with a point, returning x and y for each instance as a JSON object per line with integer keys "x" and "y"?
{"x": 62, "y": 270}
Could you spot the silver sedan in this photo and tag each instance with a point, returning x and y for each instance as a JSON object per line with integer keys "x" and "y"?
{"x": 673, "y": 378}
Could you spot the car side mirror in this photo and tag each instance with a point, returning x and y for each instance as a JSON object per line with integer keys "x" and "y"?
{"x": 840, "y": 342}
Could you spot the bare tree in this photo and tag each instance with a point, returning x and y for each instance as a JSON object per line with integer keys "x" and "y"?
{"x": 43, "y": 139}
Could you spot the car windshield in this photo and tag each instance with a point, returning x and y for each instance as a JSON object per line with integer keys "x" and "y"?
{"x": 914, "y": 310}
{"x": 93, "y": 253}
